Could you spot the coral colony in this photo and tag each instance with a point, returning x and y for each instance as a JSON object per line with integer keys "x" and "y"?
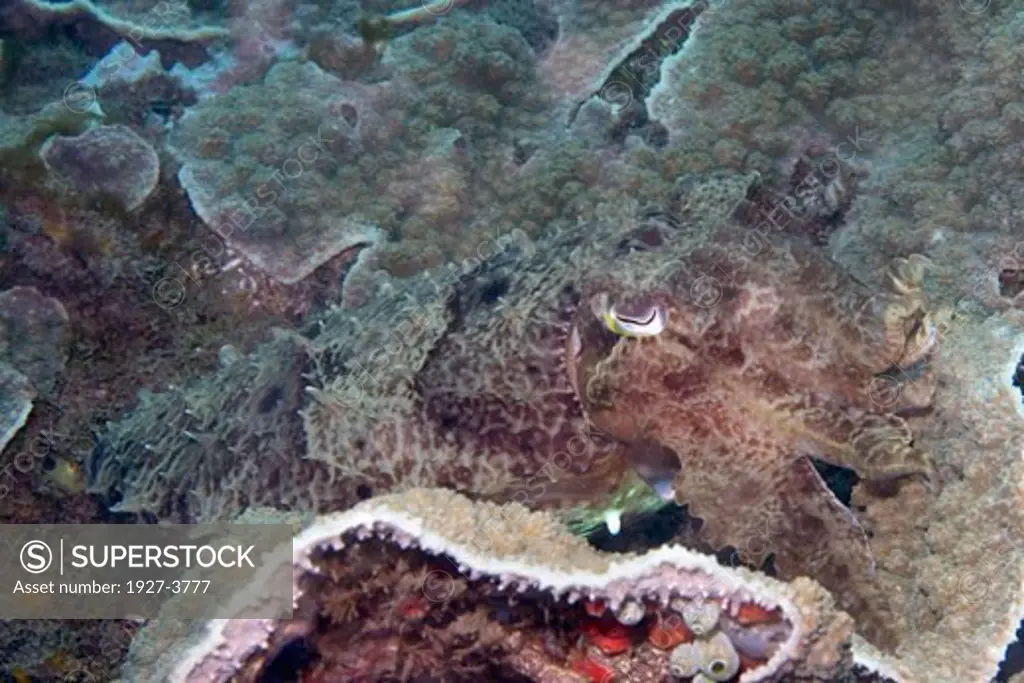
{"x": 579, "y": 341}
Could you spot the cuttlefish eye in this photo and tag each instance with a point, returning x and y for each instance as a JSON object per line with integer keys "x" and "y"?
{"x": 631, "y": 319}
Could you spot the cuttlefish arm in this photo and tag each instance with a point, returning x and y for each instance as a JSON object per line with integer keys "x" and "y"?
{"x": 740, "y": 466}
{"x": 790, "y": 515}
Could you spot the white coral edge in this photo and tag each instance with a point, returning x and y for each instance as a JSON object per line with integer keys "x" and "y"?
{"x": 227, "y": 643}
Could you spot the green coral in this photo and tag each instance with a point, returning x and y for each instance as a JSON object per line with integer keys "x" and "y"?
{"x": 21, "y": 161}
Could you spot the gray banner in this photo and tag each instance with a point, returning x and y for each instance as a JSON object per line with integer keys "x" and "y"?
{"x": 134, "y": 571}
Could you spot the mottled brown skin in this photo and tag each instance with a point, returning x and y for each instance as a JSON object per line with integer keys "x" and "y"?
{"x": 768, "y": 357}
{"x": 496, "y": 386}
{"x": 771, "y": 354}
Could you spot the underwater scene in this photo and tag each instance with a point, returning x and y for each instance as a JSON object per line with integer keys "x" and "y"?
{"x": 511, "y": 341}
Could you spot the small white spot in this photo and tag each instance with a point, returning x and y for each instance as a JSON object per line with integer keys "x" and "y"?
{"x": 575, "y": 344}
{"x": 613, "y": 518}
{"x": 665, "y": 490}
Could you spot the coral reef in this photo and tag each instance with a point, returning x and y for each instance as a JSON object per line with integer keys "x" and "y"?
{"x": 628, "y": 83}
{"x": 802, "y": 67}
{"x": 111, "y": 161}
{"x": 455, "y": 377}
{"x": 431, "y": 581}
{"x": 169, "y": 27}
{"x": 266, "y": 191}
{"x": 35, "y": 336}
{"x": 715, "y": 376}
{"x": 590, "y": 35}
{"x": 955, "y": 563}
{"x": 197, "y": 442}
{"x": 614, "y": 260}
{"x": 412, "y": 371}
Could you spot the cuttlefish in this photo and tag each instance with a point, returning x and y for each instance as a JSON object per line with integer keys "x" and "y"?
{"x": 746, "y": 365}
{"x": 715, "y": 371}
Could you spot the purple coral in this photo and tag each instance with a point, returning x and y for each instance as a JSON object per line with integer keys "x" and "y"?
{"x": 109, "y": 160}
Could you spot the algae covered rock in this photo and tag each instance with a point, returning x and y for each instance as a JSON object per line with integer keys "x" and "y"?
{"x": 112, "y": 161}
{"x": 34, "y": 336}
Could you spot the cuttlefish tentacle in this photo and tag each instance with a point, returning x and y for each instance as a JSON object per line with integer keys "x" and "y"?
{"x": 909, "y": 329}
{"x": 878, "y": 446}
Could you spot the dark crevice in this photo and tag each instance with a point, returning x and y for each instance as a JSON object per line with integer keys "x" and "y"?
{"x": 631, "y": 82}
{"x": 1013, "y": 663}
{"x": 1018, "y": 376}
{"x": 642, "y": 532}
{"x": 1011, "y": 282}
{"x": 493, "y": 290}
{"x": 289, "y": 660}
{"x": 840, "y": 480}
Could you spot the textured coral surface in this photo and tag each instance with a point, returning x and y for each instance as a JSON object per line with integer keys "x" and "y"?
{"x": 744, "y": 274}
{"x": 428, "y": 581}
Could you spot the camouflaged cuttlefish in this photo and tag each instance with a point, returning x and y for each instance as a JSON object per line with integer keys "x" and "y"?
{"x": 746, "y": 365}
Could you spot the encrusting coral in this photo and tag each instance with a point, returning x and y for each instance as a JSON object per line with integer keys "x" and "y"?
{"x": 441, "y": 380}
{"x": 430, "y": 581}
{"x": 170, "y": 27}
{"x": 35, "y": 336}
{"x": 18, "y": 395}
{"x": 258, "y": 180}
{"x": 111, "y": 161}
